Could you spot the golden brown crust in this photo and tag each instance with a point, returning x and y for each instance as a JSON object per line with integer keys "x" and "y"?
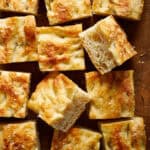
{"x": 125, "y": 135}
{"x": 76, "y": 138}
{"x": 131, "y": 9}
{"x": 18, "y": 39}
{"x": 111, "y": 30}
{"x": 26, "y": 6}
{"x": 107, "y": 45}
{"x": 114, "y": 90}
{"x": 14, "y": 89}
{"x": 60, "y": 11}
{"x": 30, "y": 38}
{"x": 59, "y": 48}
{"x": 20, "y": 136}
{"x": 58, "y": 101}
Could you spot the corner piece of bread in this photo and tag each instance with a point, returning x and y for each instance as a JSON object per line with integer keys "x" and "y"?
{"x": 25, "y": 6}
{"x": 18, "y": 39}
{"x": 60, "y": 11}
{"x": 112, "y": 94}
{"x": 130, "y": 9}
{"x": 107, "y": 45}
{"x": 129, "y": 134}
{"x": 14, "y": 91}
{"x": 58, "y": 101}
{"x": 60, "y": 48}
{"x": 19, "y": 136}
{"x": 76, "y": 139}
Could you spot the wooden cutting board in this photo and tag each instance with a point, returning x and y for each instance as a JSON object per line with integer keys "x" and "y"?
{"x": 138, "y": 34}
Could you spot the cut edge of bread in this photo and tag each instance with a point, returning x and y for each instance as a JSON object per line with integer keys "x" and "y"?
{"x": 103, "y": 60}
{"x": 73, "y": 111}
{"x": 101, "y": 48}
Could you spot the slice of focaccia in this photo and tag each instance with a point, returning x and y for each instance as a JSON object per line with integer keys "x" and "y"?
{"x": 124, "y": 135}
{"x": 76, "y": 139}
{"x": 18, "y": 39}
{"x": 112, "y": 94}
{"x": 14, "y": 90}
{"x": 58, "y": 101}
{"x": 131, "y": 9}
{"x": 59, "y": 48}
{"x": 107, "y": 45}
{"x": 22, "y": 6}
{"x": 19, "y": 136}
{"x": 60, "y": 11}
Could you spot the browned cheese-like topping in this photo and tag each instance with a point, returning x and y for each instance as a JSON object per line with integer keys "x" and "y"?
{"x": 14, "y": 89}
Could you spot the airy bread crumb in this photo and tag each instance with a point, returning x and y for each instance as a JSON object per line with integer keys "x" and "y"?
{"x": 107, "y": 45}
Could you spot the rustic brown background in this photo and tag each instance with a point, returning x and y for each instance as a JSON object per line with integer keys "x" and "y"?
{"x": 138, "y": 34}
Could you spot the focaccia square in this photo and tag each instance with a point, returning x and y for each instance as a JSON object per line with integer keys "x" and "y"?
{"x": 18, "y": 39}
{"x": 19, "y": 136}
{"x": 107, "y": 45}
{"x": 58, "y": 101}
{"x": 22, "y": 6}
{"x": 60, "y": 11}
{"x": 131, "y": 9}
{"x": 59, "y": 48}
{"x": 76, "y": 139}
{"x": 14, "y": 90}
{"x": 112, "y": 94}
{"x": 124, "y": 135}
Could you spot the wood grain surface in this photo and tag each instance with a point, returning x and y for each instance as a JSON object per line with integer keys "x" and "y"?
{"x": 138, "y": 34}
